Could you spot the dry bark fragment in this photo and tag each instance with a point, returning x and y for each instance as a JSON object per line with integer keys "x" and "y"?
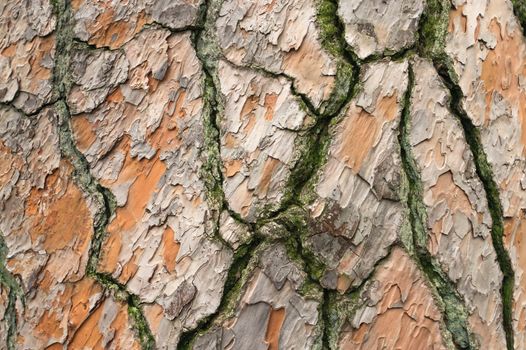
{"x": 259, "y": 128}
{"x": 396, "y": 310}
{"x": 112, "y": 24}
{"x": 357, "y": 214}
{"x": 281, "y": 37}
{"x": 27, "y": 51}
{"x": 48, "y": 227}
{"x": 144, "y": 142}
{"x": 271, "y": 312}
{"x": 375, "y": 26}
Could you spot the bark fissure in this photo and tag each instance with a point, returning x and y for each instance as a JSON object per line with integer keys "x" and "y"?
{"x": 519, "y": 8}
{"x": 8, "y": 281}
{"x": 485, "y": 174}
{"x": 433, "y": 32}
{"x": 82, "y": 174}
{"x": 455, "y": 313}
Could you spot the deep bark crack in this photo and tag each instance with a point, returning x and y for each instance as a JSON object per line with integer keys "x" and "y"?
{"x": 432, "y": 37}
{"x": 454, "y": 310}
{"x": 485, "y": 174}
{"x": 100, "y": 195}
{"x": 14, "y": 291}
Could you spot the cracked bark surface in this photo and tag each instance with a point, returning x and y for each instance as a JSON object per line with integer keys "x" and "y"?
{"x": 294, "y": 174}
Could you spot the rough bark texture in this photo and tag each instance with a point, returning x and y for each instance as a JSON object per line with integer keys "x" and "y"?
{"x": 292, "y": 174}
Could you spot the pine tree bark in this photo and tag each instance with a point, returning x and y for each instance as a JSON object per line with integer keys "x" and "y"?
{"x": 233, "y": 174}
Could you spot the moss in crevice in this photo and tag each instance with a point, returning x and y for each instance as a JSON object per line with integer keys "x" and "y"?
{"x": 332, "y": 32}
{"x": 338, "y": 309}
{"x": 332, "y": 37}
{"x": 106, "y": 204}
{"x": 61, "y": 82}
{"x": 295, "y": 221}
{"x": 238, "y": 274}
{"x": 102, "y": 197}
{"x": 485, "y": 174}
{"x": 14, "y": 292}
{"x": 433, "y": 29}
{"x": 519, "y": 8}
{"x": 455, "y": 313}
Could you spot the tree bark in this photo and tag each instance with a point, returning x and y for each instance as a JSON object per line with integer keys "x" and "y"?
{"x": 233, "y": 174}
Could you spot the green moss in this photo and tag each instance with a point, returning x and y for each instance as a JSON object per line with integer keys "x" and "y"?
{"x": 519, "y": 7}
{"x": 313, "y": 148}
{"x": 333, "y": 41}
{"x": 337, "y": 309}
{"x": 433, "y": 28}
{"x": 63, "y": 45}
{"x": 140, "y": 325}
{"x": 211, "y": 170}
{"x": 341, "y": 91}
{"x": 295, "y": 220}
{"x": 332, "y": 31}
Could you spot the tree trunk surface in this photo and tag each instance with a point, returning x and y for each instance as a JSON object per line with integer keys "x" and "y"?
{"x": 263, "y": 175}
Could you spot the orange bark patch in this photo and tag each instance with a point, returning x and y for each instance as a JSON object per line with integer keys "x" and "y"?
{"x": 54, "y": 209}
{"x": 83, "y": 131}
{"x": 170, "y": 249}
{"x": 270, "y": 104}
{"x": 457, "y": 19}
{"x": 406, "y": 312}
{"x": 343, "y": 283}
{"x": 131, "y": 267}
{"x": 275, "y": 322}
{"x": 230, "y": 140}
{"x": 501, "y": 69}
{"x": 88, "y": 336}
{"x": 361, "y": 129}
{"x": 180, "y": 111}
{"x": 249, "y": 126}
{"x": 232, "y": 167}
{"x": 166, "y": 135}
{"x": 111, "y": 251}
{"x": 357, "y": 138}
{"x": 43, "y": 47}
{"x": 387, "y": 108}
{"x": 249, "y": 106}
{"x": 266, "y": 176}
{"x": 80, "y": 301}
{"x": 49, "y": 325}
{"x": 10, "y": 162}
{"x": 515, "y": 233}
{"x": 305, "y": 65}
{"x": 116, "y": 96}
{"x": 9, "y": 51}
{"x": 91, "y": 333}
{"x": 106, "y": 31}
{"x": 145, "y": 175}
{"x": 455, "y": 197}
